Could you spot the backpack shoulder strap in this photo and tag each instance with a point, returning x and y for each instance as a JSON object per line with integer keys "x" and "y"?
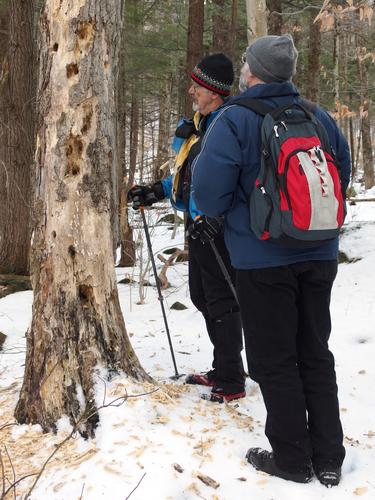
{"x": 259, "y": 107}
{"x": 309, "y": 105}
{"x": 255, "y": 105}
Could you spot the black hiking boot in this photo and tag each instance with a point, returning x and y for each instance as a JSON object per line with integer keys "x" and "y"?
{"x": 264, "y": 460}
{"x": 329, "y": 476}
{"x": 218, "y": 395}
{"x": 206, "y": 379}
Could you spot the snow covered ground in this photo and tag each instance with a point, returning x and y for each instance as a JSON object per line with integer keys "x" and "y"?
{"x": 158, "y": 446}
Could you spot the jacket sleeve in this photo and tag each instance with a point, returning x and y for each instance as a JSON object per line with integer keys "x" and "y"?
{"x": 167, "y": 186}
{"x": 216, "y": 169}
{"x": 340, "y": 146}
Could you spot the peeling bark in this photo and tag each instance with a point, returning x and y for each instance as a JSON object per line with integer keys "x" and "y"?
{"x": 77, "y": 326}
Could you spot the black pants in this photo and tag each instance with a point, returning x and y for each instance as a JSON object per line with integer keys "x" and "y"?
{"x": 287, "y": 324}
{"x": 212, "y": 296}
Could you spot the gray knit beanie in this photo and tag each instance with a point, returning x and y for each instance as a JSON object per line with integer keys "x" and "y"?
{"x": 272, "y": 58}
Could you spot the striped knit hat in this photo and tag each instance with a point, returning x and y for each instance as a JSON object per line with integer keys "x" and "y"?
{"x": 214, "y": 72}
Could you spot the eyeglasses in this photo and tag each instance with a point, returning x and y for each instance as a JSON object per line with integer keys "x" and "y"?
{"x": 195, "y": 86}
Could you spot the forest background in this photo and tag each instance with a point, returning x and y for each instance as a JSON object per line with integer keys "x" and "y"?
{"x": 161, "y": 42}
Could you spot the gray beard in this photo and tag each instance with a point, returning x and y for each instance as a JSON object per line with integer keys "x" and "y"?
{"x": 195, "y": 107}
{"x": 242, "y": 84}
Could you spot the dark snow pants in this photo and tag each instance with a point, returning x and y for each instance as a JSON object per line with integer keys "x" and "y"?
{"x": 287, "y": 324}
{"x": 212, "y": 296}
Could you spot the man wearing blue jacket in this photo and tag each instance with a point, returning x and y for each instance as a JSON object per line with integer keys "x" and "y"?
{"x": 284, "y": 293}
{"x": 211, "y": 78}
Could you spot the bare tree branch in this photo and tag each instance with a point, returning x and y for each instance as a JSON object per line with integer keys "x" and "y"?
{"x": 133, "y": 490}
{"x": 83, "y": 419}
{"x": 167, "y": 263}
{"x": 14, "y": 472}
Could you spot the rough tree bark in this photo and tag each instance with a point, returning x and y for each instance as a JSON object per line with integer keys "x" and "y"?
{"x": 77, "y": 326}
{"x": 16, "y": 162}
{"x": 194, "y": 43}
{"x": 220, "y": 27}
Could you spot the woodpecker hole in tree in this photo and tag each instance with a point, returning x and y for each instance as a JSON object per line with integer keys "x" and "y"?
{"x": 85, "y": 29}
{"x": 74, "y": 150}
{"x": 86, "y": 123}
{"x": 72, "y": 251}
{"x": 71, "y": 70}
{"x": 85, "y": 293}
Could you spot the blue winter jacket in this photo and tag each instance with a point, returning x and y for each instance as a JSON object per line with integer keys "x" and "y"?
{"x": 168, "y": 182}
{"x": 225, "y": 171}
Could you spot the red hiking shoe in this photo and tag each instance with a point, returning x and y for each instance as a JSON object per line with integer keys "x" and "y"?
{"x": 219, "y": 396}
{"x": 199, "y": 379}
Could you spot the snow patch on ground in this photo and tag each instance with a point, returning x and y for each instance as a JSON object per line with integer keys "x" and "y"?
{"x": 143, "y": 439}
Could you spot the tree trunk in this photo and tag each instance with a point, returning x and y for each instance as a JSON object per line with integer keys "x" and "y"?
{"x": 313, "y": 59}
{"x": 365, "y": 103}
{"x": 17, "y": 161}
{"x": 233, "y": 29}
{"x": 256, "y": 13}
{"x": 367, "y": 156}
{"x": 128, "y": 257}
{"x": 134, "y": 132}
{"x": 297, "y": 37}
{"x": 194, "y": 43}
{"x": 274, "y": 18}
{"x": 77, "y": 328}
{"x": 336, "y": 60}
{"x": 165, "y": 104}
{"x": 220, "y": 27}
{"x": 127, "y": 245}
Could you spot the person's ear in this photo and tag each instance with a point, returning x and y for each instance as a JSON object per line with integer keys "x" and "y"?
{"x": 216, "y": 97}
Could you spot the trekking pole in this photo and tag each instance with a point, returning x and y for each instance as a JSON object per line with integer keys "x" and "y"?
{"x": 224, "y": 270}
{"x": 147, "y": 233}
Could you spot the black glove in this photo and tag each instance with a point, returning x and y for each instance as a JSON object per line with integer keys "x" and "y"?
{"x": 206, "y": 228}
{"x": 145, "y": 196}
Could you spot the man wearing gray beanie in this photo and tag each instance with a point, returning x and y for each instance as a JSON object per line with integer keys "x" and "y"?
{"x": 284, "y": 292}
{"x": 272, "y": 58}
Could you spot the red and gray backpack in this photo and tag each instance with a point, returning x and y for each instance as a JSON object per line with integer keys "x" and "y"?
{"x": 297, "y": 199}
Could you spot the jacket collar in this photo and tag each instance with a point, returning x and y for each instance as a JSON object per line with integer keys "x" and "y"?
{"x": 268, "y": 90}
